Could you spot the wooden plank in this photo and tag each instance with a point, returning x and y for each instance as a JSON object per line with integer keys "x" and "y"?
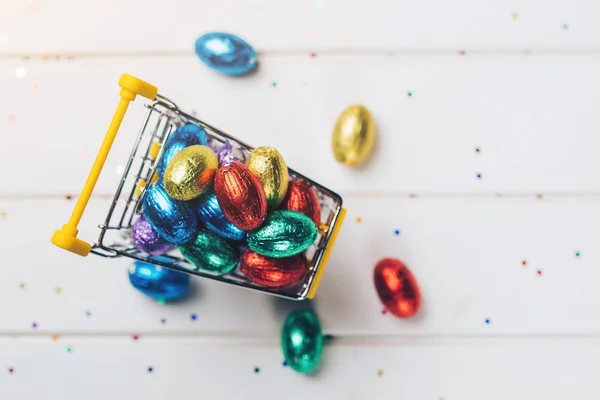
{"x": 466, "y": 254}
{"x": 544, "y": 369}
{"x": 126, "y": 26}
{"x": 527, "y": 130}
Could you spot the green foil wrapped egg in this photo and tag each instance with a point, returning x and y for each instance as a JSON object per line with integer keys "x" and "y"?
{"x": 272, "y": 172}
{"x": 190, "y": 172}
{"x": 302, "y": 341}
{"x": 283, "y": 234}
{"x": 211, "y": 253}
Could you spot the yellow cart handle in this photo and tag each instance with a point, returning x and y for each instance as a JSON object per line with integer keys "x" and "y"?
{"x": 66, "y": 238}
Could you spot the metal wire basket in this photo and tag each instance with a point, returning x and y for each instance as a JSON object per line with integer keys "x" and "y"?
{"x": 114, "y": 240}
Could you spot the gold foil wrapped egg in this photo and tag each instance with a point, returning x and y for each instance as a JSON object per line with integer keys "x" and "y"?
{"x": 353, "y": 136}
{"x": 190, "y": 172}
{"x": 268, "y": 165}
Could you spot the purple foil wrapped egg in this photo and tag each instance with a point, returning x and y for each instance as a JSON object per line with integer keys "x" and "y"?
{"x": 147, "y": 239}
{"x": 227, "y": 154}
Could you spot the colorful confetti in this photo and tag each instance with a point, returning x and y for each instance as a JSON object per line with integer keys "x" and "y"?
{"x": 313, "y": 55}
{"x": 524, "y": 263}
{"x": 515, "y": 16}
{"x": 539, "y": 272}
{"x": 384, "y": 311}
{"x": 358, "y": 220}
{"x": 150, "y": 369}
{"x": 11, "y": 370}
{"x": 54, "y": 336}
{"x": 397, "y": 232}
{"x": 136, "y": 337}
{"x": 478, "y": 176}
{"x": 3, "y": 214}
{"x": 194, "y": 317}
{"x": 68, "y": 197}
{"x": 68, "y": 349}
{"x": 88, "y": 314}
{"x": 409, "y": 94}
{"x": 284, "y": 363}
{"x": 487, "y": 321}
{"x": 58, "y": 290}
{"x": 256, "y": 370}
{"x": 577, "y": 254}
{"x": 477, "y": 150}
{"x": 380, "y": 372}
{"x": 22, "y": 285}
{"x": 163, "y": 321}
{"x": 462, "y": 52}
{"x": 34, "y": 325}
{"x": 274, "y": 84}
{"x": 12, "y": 117}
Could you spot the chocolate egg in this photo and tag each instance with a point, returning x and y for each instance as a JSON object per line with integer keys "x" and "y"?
{"x": 147, "y": 239}
{"x": 397, "y": 288}
{"x": 213, "y": 218}
{"x": 190, "y": 173}
{"x": 284, "y": 234}
{"x": 353, "y": 136}
{"x": 226, "y": 53}
{"x": 273, "y": 272}
{"x": 160, "y": 283}
{"x": 268, "y": 165}
{"x": 301, "y": 197}
{"x": 184, "y": 136}
{"x": 173, "y": 220}
{"x": 302, "y": 341}
{"x": 241, "y": 196}
{"x": 227, "y": 154}
{"x": 210, "y": 252}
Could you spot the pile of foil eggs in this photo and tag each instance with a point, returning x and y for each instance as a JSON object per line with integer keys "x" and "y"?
{"x": 229, "y": 212}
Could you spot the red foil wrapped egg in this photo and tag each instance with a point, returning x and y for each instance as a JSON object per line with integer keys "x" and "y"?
{"x": 301, "y": 197}
{"x": 241, "y": 196}
{"x": 397, "y": 288}
{"x": 273, "y": 272}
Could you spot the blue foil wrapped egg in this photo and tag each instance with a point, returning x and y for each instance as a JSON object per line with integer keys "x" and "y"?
{"x": 226, "y": 53}
{"x": 212, "y": 216}
{"x": 175, "y": 221}
{"x": 157, "y": 282}
{"x": 184, "y": 136}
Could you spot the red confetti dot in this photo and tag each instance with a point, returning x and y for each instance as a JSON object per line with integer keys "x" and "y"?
{"x": 136, "y": 337}
{"x": 384, "y": 311}
{"x": 524, "y": 262}
{"x": 11, "y": 370}
{"x": 68, "y": 196}
{"x": 539, "y": 272}
{"x": 313, "y": 55}
{"x": 462, "y": 52}
{"x": 477, "y": 150}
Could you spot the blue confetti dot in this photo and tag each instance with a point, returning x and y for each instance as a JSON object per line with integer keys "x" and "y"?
{"x": 88, "y": 313}
{"x": 284, "y": 363}
{"x": 487, "y": 321}
{"x": 150, "y": 369}
{"x": 164, "y": 320}
{"x": 397, "y": 232}
{"x": 194, "y": 317}
{"x": 478, "y": 176}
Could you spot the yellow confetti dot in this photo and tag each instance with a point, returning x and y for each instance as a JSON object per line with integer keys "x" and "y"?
{"x": 58, "y": 290}
{"x": 515, "y": 16}
{"x": 55, "y": 336}
{"x": 358, "y": 220}
{"x": 22, "y": 285}
{"x": 380, "y": 372}
{"x": 3, "y": 214}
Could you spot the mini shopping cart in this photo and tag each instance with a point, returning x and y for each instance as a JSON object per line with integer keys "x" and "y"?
{"x": 114, "y": 241}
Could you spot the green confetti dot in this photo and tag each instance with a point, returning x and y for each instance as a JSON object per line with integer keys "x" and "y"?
{"x": 256, "y": 370}
{"x": 409, "y": 94}
{"x": 68, "y": 349}
{"x": 577, "y": 254}
{"x": 274, "y": 84}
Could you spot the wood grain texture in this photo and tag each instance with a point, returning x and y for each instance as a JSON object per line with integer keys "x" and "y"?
{"x": 134, "y": 26}
{"x": 118, "y": 369}
{"x": 533, "y": 136}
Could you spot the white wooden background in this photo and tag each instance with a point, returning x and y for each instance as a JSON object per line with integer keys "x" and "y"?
{"x": 516, "y": 79}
